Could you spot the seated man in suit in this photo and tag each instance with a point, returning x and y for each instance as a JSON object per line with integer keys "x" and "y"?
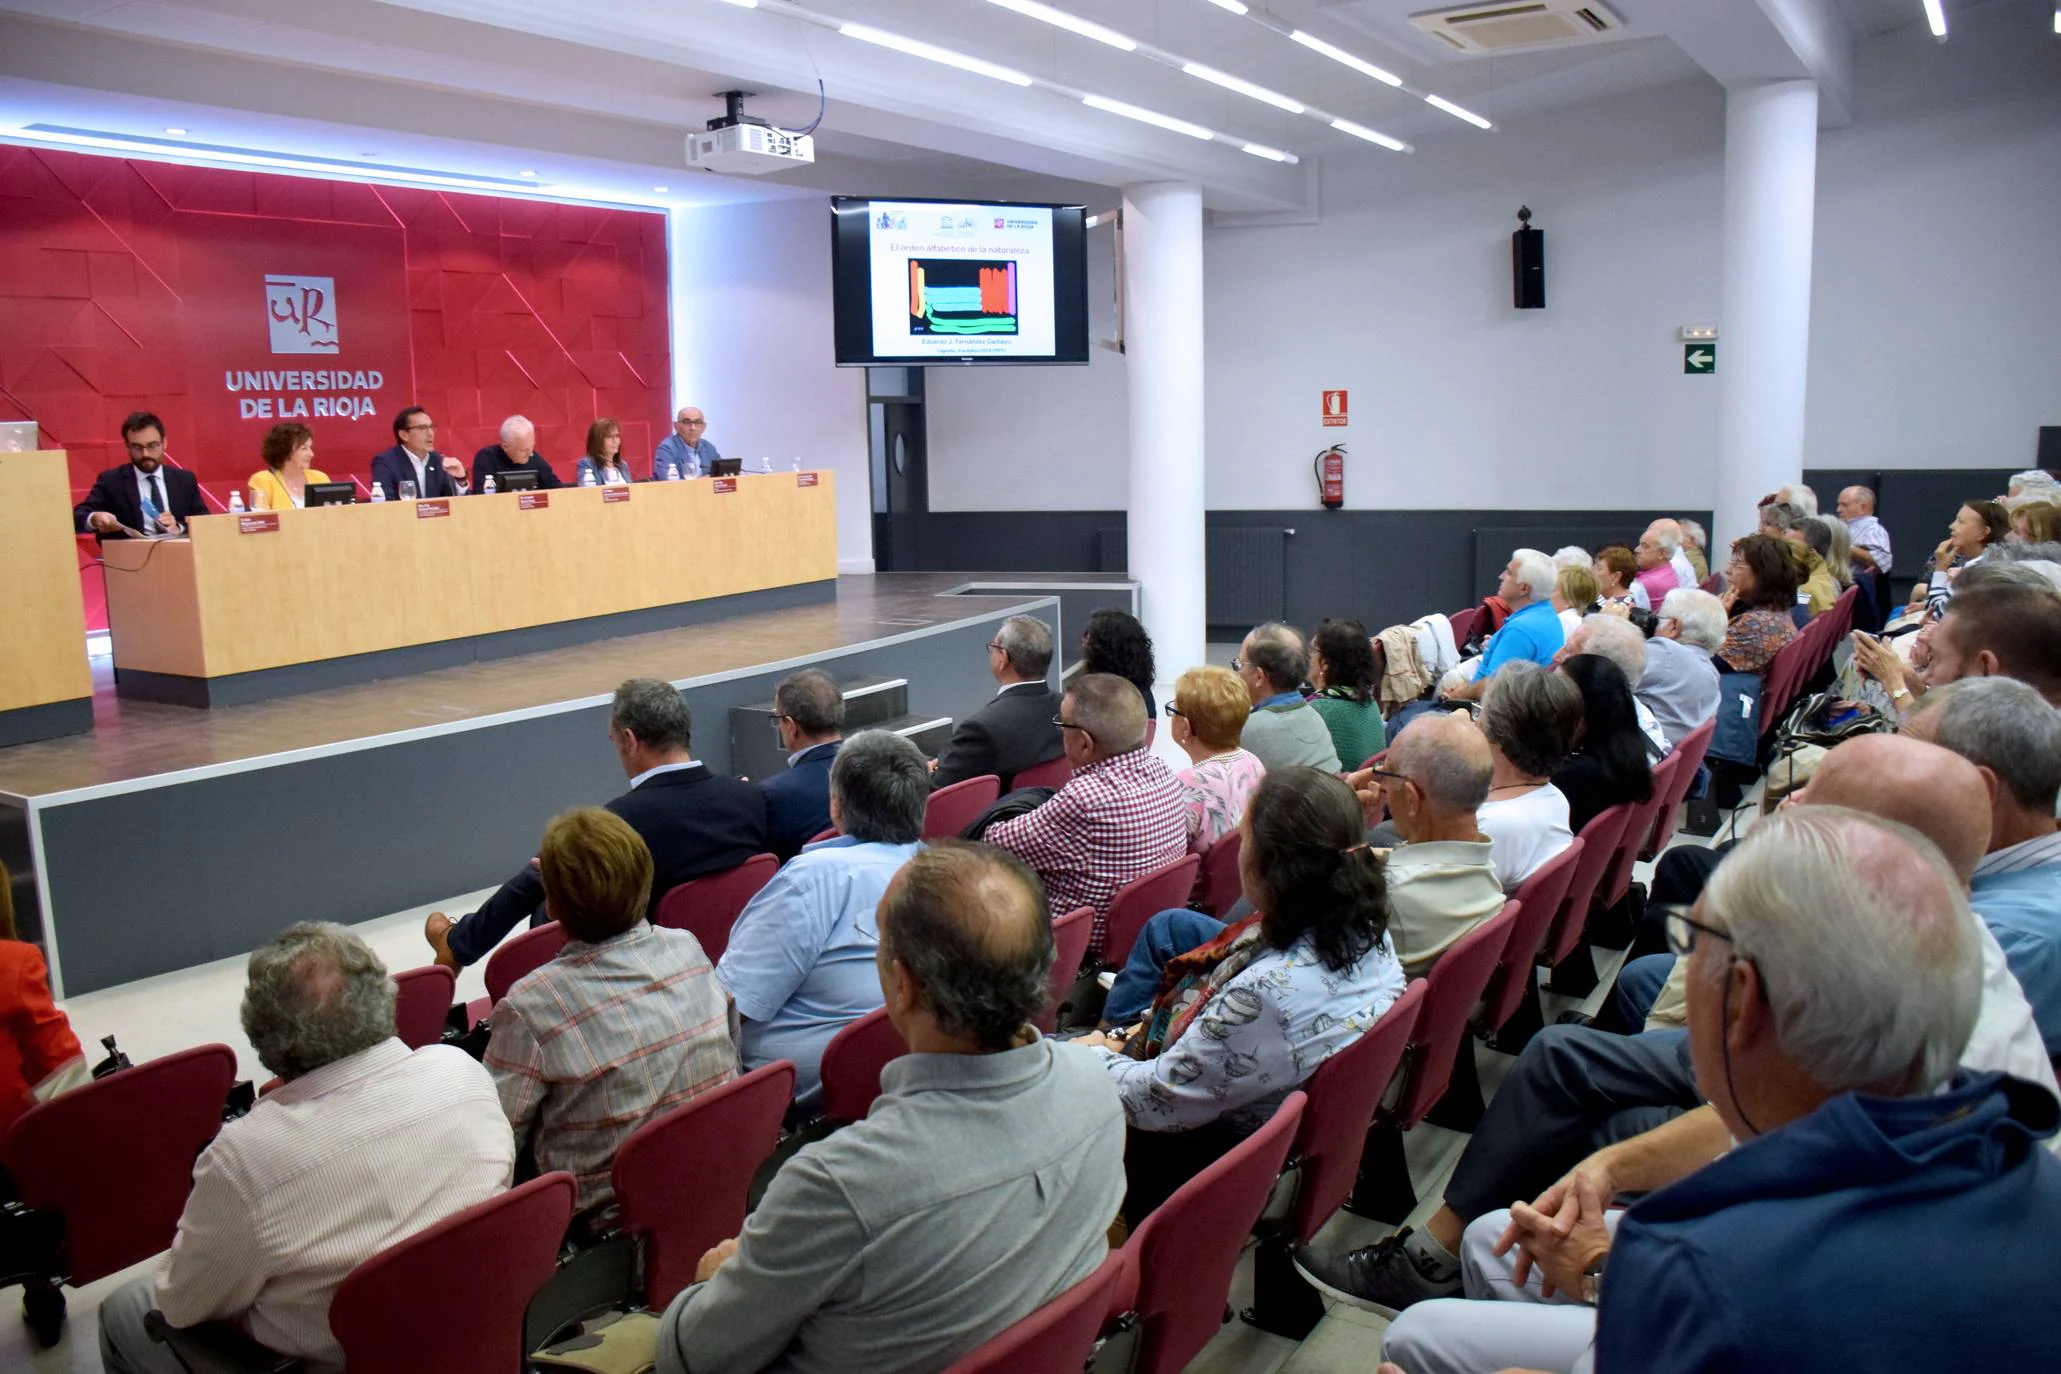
{"x": 808, "y": 710}
{"x": 800, "y": 961}
{"x": 414, "y": 458}
{"x": 1014, "y": 730}
{"x": 517, "y": 452}
{"x": 142, "y": 495}
{"x": 980, "y": 1187}
{"x": 366, "y": 1143}
{"x": 694, "y": 822}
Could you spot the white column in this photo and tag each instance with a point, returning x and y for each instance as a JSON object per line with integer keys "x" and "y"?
{"x": 1771, "y": 169}
{"x": 1162, "y": 264}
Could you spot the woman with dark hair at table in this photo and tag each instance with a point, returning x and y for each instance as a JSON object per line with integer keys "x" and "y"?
{"x": 1609, "y": 763}
{"x": 288, "y": 451}
{"x": 1114, "y": 642}
{"x": 603, "y": 464}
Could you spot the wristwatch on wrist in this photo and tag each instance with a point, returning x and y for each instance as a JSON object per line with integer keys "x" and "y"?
{"x": 1900, "y": 693}
{"x": 1592, "y": 1278}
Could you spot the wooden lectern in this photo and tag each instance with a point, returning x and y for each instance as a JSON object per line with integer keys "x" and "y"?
{"x": 46, "y": 689}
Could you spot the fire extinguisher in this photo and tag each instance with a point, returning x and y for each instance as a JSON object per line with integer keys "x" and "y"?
{"x": 1330, "y": 470}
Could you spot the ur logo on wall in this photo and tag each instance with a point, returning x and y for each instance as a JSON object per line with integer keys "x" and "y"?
{"x": 302, "y": 314}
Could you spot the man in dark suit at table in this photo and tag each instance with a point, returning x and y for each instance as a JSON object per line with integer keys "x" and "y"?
{"x": 695, "y": 822}
{"x": 1014, "y": 730}
{"x": 808, "y": 710}
{"x": 142, "y": 496}
{"x": 414, "y": 458}
{"x": 517, "y": 452}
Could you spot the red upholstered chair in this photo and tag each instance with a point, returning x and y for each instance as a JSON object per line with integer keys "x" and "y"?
{"x": 1070, "y": 936}
{"x": 1221, "y": 886}
{"x": 113, "y": 1160}
{"x": 1456, "y": 983}
{"x": 1617, "y": 879}
{"x": 1692, "y": 749}
{"x": 951, "y": 809}
{"x": 451, "y": 1298}
{"x": 422, "y": 999}
{"x": 1343, "y": 1095}
{"x": 1576, "y": 976}
{"x": 1511, "y": 1009}
{"x": 706, "y": 908}
{"x": 1183, "y": 1254}
{"x": 852, "y": 1062}
{"x": 681, "y": 1179}
{"x": 1463, "y": 625}
{"x": 1052, "y": 773}
{"x": 1138, "y": 900}
{"x": 515, "y": 960}
{"x": 827, "y": 833}
{"x": 1059, "y": 1337}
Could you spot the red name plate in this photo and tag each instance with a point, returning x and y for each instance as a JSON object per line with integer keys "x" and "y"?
{"x": 805, "y": 479}
{"x": 725, "y": 485}
{"x": 432, "y": 510}
{"x": 614, "y": 496}
{"x": 264, "y": 522}
{"x": 532, "y": 500}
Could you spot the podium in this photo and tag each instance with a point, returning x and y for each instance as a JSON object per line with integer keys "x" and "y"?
{"x": 46, "y": 689}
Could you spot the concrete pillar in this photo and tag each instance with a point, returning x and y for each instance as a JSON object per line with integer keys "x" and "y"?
{"x": 1764, "y": 318}
{"x": 1162, "y": 265}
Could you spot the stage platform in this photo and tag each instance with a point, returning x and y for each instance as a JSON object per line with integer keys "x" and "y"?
{"x": 171, "y": 836}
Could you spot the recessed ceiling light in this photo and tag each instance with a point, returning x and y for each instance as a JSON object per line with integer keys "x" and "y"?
{"x": 526, "y": 172}
{"x": 932, "y": 53}
{"x": 1346, "y": 126}
{"x": 1145, "y": 116}
{"x": 745, "y": 4}
{"x": 1450, "y": 108}
{"x": 1935, "y": 18}
{"x": 661, "y": 189}
{"x": 1244, "y": 87}
{"x": 175, "y": 133}
{"x": 1315, "y": 44}
{"x": 1235, "y": 6}
{"x": 1071, "y": 22}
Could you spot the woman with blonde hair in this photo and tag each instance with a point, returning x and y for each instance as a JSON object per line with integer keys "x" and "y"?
{"x": 1208, "y": 716}
{"x": 1575, "y": 593}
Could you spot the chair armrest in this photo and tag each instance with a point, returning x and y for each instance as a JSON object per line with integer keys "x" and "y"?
{"x": 219, "y": 1348}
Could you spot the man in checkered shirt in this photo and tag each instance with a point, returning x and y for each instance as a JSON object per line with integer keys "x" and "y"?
{"x": 1120, "y": 817}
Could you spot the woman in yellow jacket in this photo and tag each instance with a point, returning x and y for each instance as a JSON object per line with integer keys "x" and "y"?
{"x": 288, "y": 451}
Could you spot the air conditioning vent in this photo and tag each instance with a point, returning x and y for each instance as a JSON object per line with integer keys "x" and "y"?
{"x": 1519, "y": 24}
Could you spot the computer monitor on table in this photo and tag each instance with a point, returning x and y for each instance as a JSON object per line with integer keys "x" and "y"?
{"x": 515, "y": 481}
{"x": 726, "y": 467}
{"x": 328, "y": 494}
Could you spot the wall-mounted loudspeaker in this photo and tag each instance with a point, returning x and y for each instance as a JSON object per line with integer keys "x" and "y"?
{"x": 1528, "y": 263}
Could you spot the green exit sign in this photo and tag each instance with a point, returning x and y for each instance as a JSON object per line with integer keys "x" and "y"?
{"x": 1699, "y": 358}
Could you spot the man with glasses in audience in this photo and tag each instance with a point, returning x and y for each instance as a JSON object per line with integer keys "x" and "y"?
{"x": 1014, "y": 730}
{"x": 143, "y": 498}
{"x": 414, "y": 459}
{"x": 685, "y": 452}
{"x": 1283, "y": 730}
{"x": 808, "y": 711}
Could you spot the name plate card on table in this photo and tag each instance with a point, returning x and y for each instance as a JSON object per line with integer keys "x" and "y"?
{"x": 725, "y": 485}
{"x": 614, "y": 496}
{"x": 432, "y": 510}
{"x": 532, "y": 500}
{"x": 805, "y": 479}
{"x": 264, "y": 522}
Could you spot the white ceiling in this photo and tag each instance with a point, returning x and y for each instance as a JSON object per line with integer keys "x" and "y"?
{"x": 596, "y": 99}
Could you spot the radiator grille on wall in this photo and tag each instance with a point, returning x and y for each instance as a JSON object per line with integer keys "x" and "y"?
{"x": 1247, "y": 574}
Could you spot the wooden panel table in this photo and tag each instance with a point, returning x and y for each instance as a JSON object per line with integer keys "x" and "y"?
{"x": 46, "y": 689}
{"x": 264, "y": 605}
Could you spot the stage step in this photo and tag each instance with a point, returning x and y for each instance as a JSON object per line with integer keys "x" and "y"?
{"x": 928, "y": 733}
{"x": 870, "y": 703}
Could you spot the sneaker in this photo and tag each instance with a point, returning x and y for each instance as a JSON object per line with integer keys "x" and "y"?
{"x": 1385, "y": 1277}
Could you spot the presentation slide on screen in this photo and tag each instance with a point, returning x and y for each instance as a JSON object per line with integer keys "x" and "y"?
{"x": 961, "y": 281}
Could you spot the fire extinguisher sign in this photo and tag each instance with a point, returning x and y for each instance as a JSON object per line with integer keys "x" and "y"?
{"x": 1334, "y": 409}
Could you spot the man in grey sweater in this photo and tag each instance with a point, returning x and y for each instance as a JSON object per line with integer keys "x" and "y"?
{"x": 980, "y": 1186}
{"x": 1283, "y": 729}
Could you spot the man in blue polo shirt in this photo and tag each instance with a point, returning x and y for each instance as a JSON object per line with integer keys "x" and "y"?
{"x": 800, "y": 963}
{"x": 1532, "y": 632}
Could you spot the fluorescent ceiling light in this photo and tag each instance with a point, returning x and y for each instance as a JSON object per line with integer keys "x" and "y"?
{"x": 1235, "y": 6}
{"x": 1270, "y": 154}
{"x": 2057, "y": 19}
{"x": 1145, "y": 116}
{"x": 1244, "y": 87}
{"x": 1935, "y": 16}
{"x": 189, "y": 155}
{"x": 1450, "y": 108}
{"x": 175, "y": 132}
{"x": 1341, "y": 55}
{"x": 1070, "y": 22}
{"x": 744, "y": 4}
{"x": 661, "y": 190}
{"x": 1346, "y": 126}
{"x": 932, "y": 53}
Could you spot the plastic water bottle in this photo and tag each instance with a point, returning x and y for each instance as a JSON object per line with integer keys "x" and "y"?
{"x": 587, "y": 478}
{"x": 693, "y": 464}
{"x": 672, "y": 473}
{"x": 236, "y": 503}
{"x": 797, "y": 464}
{"x": 765, "y": 464}
{"x": 378, "y": 494}
{"x": 488, "y": 485}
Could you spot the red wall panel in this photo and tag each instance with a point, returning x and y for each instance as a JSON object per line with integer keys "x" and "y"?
{"x": 128, "y": 284}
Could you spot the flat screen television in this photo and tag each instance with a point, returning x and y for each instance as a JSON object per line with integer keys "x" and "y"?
{"x": 921, "y": 282}
{"x": 327, "y": 494}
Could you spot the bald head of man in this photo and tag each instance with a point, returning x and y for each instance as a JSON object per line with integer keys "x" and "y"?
{"x": 1443, "y": 763}
{"x": 1932, "y": 790}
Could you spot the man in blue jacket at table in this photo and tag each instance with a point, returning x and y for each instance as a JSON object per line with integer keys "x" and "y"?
{"x": 685, "y": 451}
{"x": 1878, "y": 1210}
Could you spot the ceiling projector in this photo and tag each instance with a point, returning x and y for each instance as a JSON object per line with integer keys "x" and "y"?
{"x": 739, "y": 143}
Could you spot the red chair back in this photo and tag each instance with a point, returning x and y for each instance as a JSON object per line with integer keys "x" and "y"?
{"x": 1052, "y": 773}
{"x": 115, "y": 1157}
{"x": 1070, "y": 936}
{"x": 1343, "y": 1095}
{"x": 1221, "y": 885}
{"x": 951, "y": 809}
{"x": 706, "y": 908}
{"x": 1645, "y": 815}
{"x": 1538, "y": 900}
{"x": 1138, "y": 900}
{"x": 1457, "y": 982}
{"x": 827, "y": 833}
{"x": 517, "y": 959}
{"x": 852, "y": 1062}
{"x": 1184, "y": 1252}
{"x": 1059, "y": 1337}
{"x": 422, "y": 998}
{"x": 681, "y": 1178}
{"x": 1690, "y": 749}
{"x": 1463, "y": 625}
{"x": 1599, "y": 846}
{"x": 452, "y": 1297}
